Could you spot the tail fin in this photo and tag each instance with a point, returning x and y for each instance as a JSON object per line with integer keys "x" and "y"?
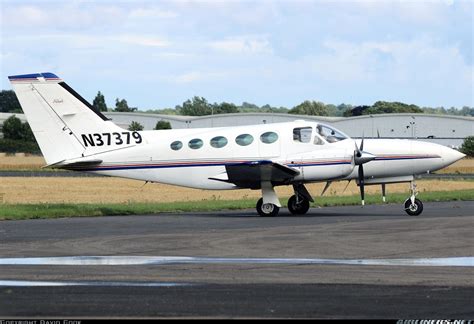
{"x": 62, "y": 121}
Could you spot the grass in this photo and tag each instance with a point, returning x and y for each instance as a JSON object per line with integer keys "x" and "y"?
{"x": 106, "y": 190}
{"x": 47, "y": 210}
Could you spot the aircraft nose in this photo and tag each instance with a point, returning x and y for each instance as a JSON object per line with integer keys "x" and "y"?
{"x": 450, "y": 156}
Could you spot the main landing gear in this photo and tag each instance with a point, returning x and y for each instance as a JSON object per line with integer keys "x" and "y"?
{"x": 298, "y": 205}
{"x": 413, "y": 206}
{"x": 268, "y": 209}
{"x": 269, "y": 205}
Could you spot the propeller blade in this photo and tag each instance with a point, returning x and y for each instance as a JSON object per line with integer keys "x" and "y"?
{"x": 361, "y": 184}
{"x": 362, "y": 143}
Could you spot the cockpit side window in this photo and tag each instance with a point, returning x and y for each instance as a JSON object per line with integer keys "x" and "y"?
{"x": 318, "y": 140}
{"x": 330, "y": 134}
{"x": 302, "y": 134}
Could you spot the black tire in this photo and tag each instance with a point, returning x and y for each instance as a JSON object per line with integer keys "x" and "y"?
{"x": 298, "y": 209}
{"x": 267, "y": 210}
{"x": 414, "y": 210}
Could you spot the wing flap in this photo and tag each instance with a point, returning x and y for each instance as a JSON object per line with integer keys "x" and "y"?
{"x": 252, "y": 174}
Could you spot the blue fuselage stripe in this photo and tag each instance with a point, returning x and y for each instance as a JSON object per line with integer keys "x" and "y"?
{"x": 194, "y": 165}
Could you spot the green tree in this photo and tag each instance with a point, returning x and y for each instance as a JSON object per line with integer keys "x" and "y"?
{"x": 310, "y": 108}
{"x": 9, "y": 102}
{"x": 356, "y": 111}
{"x": 269, "y": 109}
{"x": 99, "y": 102}
{"x": 163, "y": 124}
{"x": 197, "y": 106}
{"x": 225, "y": 108}
{"x": 122, "y": 106}
{"x": 27, "y": 133}
{"x": 13, "y": 128}
{"x": 468, "y": 146}
{"x": 343, "y": 109}
{"x": 135, "y": 126}
{"x": 384, "y": 107}
{"x": 467, "y": 111}
{"x": 17, "y": 137}
{"x": 249, "y": 107}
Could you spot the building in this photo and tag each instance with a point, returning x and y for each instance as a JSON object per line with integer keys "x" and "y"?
{"x": 443, "y": 129}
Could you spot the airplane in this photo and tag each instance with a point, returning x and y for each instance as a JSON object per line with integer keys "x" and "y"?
{"x": 73, "y": 136}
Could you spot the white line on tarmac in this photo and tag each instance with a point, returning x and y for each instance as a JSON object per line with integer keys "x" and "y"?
{"x": 163, "y": 260}
{"x": 29, "y": 283}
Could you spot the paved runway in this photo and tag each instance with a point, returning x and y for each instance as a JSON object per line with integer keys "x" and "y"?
{"x": 320, "y": 265}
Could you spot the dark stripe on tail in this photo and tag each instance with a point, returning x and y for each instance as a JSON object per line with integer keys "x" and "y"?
{"x": 81, "y": 99}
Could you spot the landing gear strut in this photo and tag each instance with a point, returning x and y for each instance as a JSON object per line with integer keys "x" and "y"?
{"x": 413, "y": 206}
{"x": 268, "y": 205}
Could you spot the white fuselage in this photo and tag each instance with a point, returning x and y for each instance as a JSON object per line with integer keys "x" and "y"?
{"x": 154, "y": 160}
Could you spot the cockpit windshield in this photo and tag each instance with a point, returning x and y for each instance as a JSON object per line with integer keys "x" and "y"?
{"x": 331, "y": 135}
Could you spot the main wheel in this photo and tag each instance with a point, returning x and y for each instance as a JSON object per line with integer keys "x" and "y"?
{"x": 296, "y": 207}
{"x": 413, "y": 209}
{"x": 267, "y": 210}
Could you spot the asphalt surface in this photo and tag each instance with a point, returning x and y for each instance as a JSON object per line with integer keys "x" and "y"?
{"x": 244, "y": 289}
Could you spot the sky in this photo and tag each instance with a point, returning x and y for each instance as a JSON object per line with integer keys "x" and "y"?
{"x": 157, "y": 54}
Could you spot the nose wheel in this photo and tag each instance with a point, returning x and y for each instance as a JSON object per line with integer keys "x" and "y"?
{"x": 413, "y": 206}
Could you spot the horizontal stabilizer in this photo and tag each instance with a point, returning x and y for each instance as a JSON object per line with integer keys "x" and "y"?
{"x": 76, "y": 165}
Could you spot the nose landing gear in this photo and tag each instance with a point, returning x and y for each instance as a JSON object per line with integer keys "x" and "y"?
{"x": 413, "y": 206}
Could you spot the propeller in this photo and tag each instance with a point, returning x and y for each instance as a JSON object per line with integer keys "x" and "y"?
{"x": 361, "y": 157}
{"x": 361, "y": 184}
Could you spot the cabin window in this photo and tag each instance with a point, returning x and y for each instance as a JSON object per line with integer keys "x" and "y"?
{"x": 219, "y": 141}
{"x": 195, "y": 143}
{"x": 269, "y": 137}
{"x": 176, "y": 145}
{"x": 244, "y": 139}
{"x": 302, "y": 134}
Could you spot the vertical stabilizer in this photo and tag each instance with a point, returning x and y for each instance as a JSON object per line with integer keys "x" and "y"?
{"x": 59, "y": 117}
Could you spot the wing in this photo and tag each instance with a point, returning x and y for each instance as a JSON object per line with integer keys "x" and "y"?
{"x": 251, "y": 174}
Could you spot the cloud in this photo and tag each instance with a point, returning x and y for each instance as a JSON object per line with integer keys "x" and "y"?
{"x": 142, "y": 40}
{"x": 199, "y": 76}
{"x": 152, "y": 13}
{"x": 242, "y": 45}
{"x": 277, "y": 52}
